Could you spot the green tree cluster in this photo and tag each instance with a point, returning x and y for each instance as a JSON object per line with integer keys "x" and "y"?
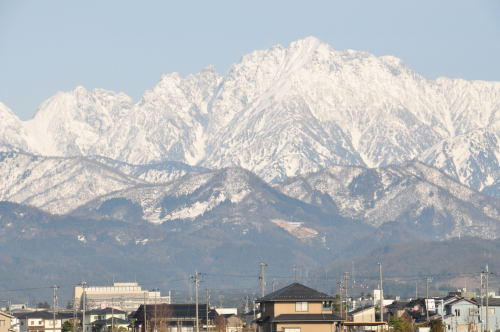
{"x": 399, "y": 324}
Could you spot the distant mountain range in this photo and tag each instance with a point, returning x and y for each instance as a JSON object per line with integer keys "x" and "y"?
{"x": 281, "y": 112}
{"x": 298, "y": 156}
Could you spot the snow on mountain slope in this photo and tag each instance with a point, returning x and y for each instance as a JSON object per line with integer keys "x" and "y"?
{"x": 411, "y": 193}
{"x": 162, "y": 172}
{"x": 169, "y": 122}
{"x": 187, "y": 198}
{"x": 61, "y": 184}
{"x": 12, "y": 132}
{"x": 77, "y": 123}
{"x": 472, "y": 158}
{"x": 56, "y": 184}
{"x": 283, "y": 112}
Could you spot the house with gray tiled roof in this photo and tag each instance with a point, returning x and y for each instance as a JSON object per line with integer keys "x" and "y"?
{"x": 297, "y": 308}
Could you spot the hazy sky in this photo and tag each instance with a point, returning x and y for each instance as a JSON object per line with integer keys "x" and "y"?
{"x": 47, "y": 46}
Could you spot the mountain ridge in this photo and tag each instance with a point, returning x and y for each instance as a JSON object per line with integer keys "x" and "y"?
{"x": 281, "y": 112}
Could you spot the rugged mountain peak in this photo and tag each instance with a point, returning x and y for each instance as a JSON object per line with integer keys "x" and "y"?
{"x": 12, "y": 132}
{"x": 282, "y": 112}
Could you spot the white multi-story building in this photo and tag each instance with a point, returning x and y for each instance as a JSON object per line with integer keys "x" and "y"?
{"x": 127, "y": 296}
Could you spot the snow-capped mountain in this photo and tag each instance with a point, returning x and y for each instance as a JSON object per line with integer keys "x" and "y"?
{"x": 413, "y": 194}
{"x": 410, "y": 194}
{"x": 281, "y": 112}
{"x": 60, "y": 184}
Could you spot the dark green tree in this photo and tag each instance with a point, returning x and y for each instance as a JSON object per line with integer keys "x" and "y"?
{"x": 43, "y": 305}
{"x": 67, "y": 326}
{"x": 399, "y": 324}
{"x": 436, "y": 325}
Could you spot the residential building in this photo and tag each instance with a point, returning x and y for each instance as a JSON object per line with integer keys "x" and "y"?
{"x": 127, "y": 296}
{"x": 228, "y": 323}
{"x": 396, "y": 309}
{"x": 5, "y": 322}
{"x": 39, "y": 321}
{"x": 297, "y": 308}
{"x": 493, "y": 314}
{"x": 460, "y": 314}
{"x": 362, "y": 319}
{"x": 108, "y": 319}
{"x": 173, "y": 318}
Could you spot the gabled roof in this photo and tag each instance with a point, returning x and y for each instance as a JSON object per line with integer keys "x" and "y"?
{"x": 303, "y": 318}
{"x": 492, "y": 301}
{"x": 398, "y": 305}
{"x": 6, "y": 314}
{"x": 355, "y": 311}
{"x": 296, "y": 292}
{"x": 460, "y": 300}
{"x": 105, "y": 311}
{"x": 174, "y": 311}
{"x": 37, "y": 314}
{"x": 110, "y": 321}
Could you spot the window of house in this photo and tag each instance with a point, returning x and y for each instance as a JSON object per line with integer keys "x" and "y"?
{"x": 301, "y": 306}
{"x": 291, "y": 329}
{"x": 457, "y": 312}
{"x": 327, "y": 306}
{"x": 2, "y": 322}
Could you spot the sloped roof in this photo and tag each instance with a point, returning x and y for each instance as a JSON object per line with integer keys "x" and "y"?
{"x": 292, "y": 318}
{"x": 398, "y": 305}
{"x": 109, "y": 321}
{"x": 355, "y": 311}
{"x": 37, "y": 314}
{"x": 105, "y": 311}
{"x": 492, "y": 301}
{"x": 174, "y": 311}
{"x": 6, "y": 314}
{"x": 460, "y": 300}
{"x": 296, "y": 292}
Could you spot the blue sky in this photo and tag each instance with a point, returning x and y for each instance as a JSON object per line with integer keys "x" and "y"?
{"x": 53, "y": 45}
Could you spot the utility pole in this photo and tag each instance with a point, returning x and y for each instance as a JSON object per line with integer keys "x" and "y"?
{"x": 54, "y": 305}
{"x": 145, "y": 309}
{"x": 442, "y": 312}
{"x": 112, "y": 315}
{"x": 416, "y": 289}
{"x": 274, "y": 285}
{"x": 341, "y": 292}
{"x": 381, "y": 292}
{"x": 262, "y": 279}
{"x": 196, "y": 279}
{"x": 427, "y": 297}
{"x": 74, "y": 316}
{"x": 208, "y": 307}
{"x": 487, "y": 299}
{"x": 84, "y": 304}
{"x": 352, "y": 275}
{"x": 346, "y": 284}
{"x": 254, "y": 316}
{"x": 481, "y": 301}
{"x": 156, "y": 290}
